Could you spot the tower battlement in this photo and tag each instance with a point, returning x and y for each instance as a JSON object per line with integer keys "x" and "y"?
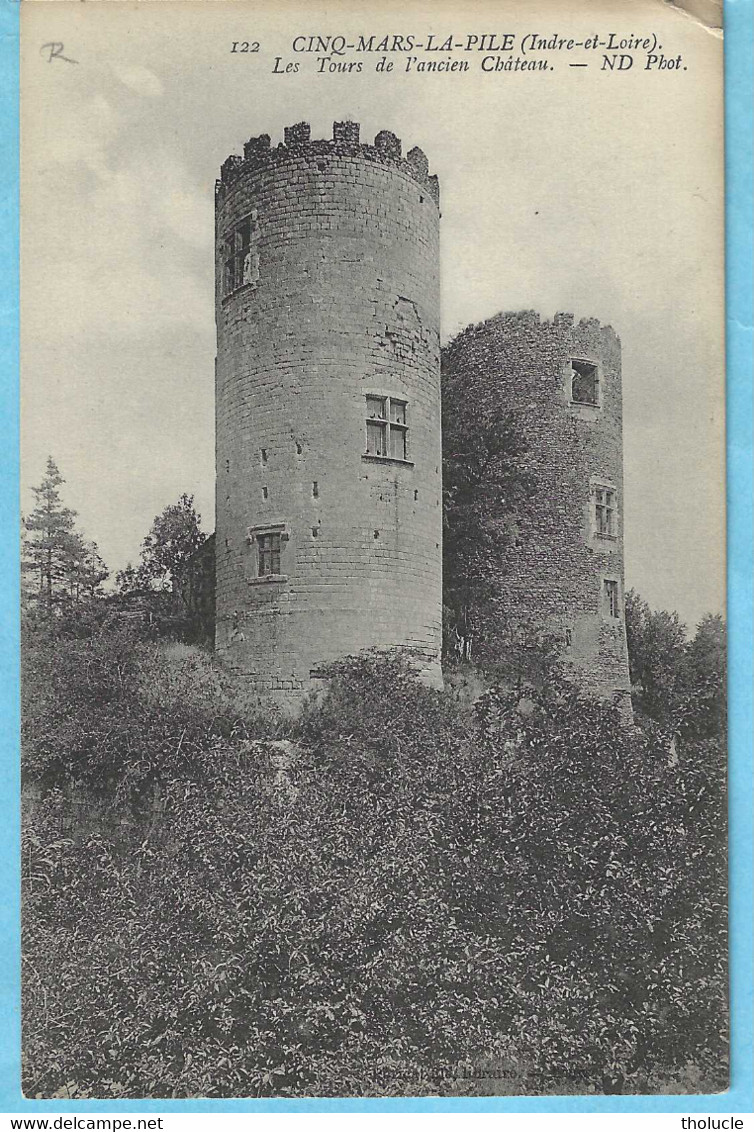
{"x": 387, "y": 150}
{"x": 505, "y": 323}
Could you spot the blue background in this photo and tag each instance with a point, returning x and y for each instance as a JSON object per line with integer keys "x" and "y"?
{"x": 739, "y": 93}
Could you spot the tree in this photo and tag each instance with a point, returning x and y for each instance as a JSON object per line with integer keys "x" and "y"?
{"x": 703, "y": 712}
{"x": 128, "y": 580}
{"x": 50, "y": 543}
{"x": 707, "y": 653}
{"x": 483, "y": 481}
{"x": 656, "y": 651}
{"x": 175, "y": 535}
{"x": 678, "y": 683}
{"x": 85, "y": 570}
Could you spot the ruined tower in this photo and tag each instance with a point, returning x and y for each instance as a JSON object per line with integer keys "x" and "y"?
{"x": 564, "y": 555}
{"x": 328, "y": 446}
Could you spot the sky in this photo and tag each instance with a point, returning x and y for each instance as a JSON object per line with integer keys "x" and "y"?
{"x": 571, "y": 191}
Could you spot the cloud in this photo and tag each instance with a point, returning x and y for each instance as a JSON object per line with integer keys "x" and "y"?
{"x": 139, "y": 79}
{"x": 121, "y": 299}
{"x": 131, "y": 250}
{"x": 79, "y": 133}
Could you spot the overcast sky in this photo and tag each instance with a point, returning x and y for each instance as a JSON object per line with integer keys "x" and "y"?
{"x": 575, "y": 190}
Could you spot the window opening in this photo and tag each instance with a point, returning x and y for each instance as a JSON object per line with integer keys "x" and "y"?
{"x": 611, "y": 598}
{"x": 605, "y": 511}
{"x": 268, "y": 551}
{"x": 387, "y": 427}
{"x": 240, "y": 256}
{"x": 584, "y": 382}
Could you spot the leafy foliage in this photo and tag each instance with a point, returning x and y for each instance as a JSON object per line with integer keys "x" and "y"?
{"x": 656, "y": 644}
{"x": 108, "y": 713}
{"x": 155, "y": 592}
{"x": 416, "y": 894}
{"x": 483, "y": 481}
{"x": 174, "y": 536}
{"x": 678, "y": 683}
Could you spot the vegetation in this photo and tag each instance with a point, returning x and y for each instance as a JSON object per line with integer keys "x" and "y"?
{"x": 173, "y": 538}
{"x": 483, "y": 482}
{"x": 403, "y": 892}
{"x": 678, "y": 683}
{"x": 516, "y": 897}
{"x": 157, "y": 586}
{"x": 61, "y": 570}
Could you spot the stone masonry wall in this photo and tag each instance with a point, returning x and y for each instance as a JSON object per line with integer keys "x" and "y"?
{"x": 558, "y": 562}
{"x": 339, "y": 299}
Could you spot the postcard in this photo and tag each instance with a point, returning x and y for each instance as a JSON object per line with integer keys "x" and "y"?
{"x": 374, "y": 718}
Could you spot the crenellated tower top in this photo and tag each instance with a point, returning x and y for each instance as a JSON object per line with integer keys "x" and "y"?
{"x": 258, "y": 154}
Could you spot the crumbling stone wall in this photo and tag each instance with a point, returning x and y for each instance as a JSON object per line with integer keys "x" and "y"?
{"x": 327, "y": 291}
{"x": 558, "y": 562}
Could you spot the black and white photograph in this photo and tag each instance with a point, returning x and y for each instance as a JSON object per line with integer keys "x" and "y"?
{"x": 373, "y": 550}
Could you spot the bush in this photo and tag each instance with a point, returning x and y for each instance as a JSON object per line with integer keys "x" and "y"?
{"x": 415, "y": 895}
{"x": 119, "y": 714}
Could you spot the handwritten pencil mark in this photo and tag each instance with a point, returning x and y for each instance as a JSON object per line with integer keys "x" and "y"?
{"x": 55, "y": 52}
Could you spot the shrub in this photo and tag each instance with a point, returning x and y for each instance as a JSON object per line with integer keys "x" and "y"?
{"x": 418, "y": 894}
{"x": 119, "y": 714}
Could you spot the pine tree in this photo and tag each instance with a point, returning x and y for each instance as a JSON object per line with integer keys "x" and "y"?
{"x": 48, "y": 541}
{"x": 59, "y": 565}
{"x": 85, "y": 570}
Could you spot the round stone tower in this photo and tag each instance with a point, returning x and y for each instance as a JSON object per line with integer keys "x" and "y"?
{"x": 328, "y": 445}
{"x": 564, "y": 561}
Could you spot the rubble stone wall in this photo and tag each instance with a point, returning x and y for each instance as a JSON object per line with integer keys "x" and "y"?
{"x": 558, "y": 562}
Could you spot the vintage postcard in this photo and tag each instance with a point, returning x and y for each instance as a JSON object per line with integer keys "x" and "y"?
{"x": 373, "y": 550}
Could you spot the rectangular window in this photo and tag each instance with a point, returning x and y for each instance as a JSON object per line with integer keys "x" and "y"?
{"x": 268, "y": 550}
{"x": 605, "y": 512}
{"x": 387, "y": 428}
{"x": 240, "y": 257}
{"x": 585, "y": 388}
{"x": 612, "y": 608}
